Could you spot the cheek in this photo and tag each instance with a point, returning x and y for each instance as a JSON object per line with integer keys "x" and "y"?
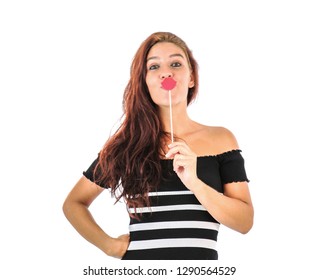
{"x": 184, "y": 85}
{"x": 148, "y": 83}
{"x": 151, "y": 85}
{"x": 150, "y": 80}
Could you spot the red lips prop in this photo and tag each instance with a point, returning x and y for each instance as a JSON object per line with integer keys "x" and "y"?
{"x": 168, "y": 83}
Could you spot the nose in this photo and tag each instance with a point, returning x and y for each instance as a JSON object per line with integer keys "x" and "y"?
{"x": 166, "y": 75}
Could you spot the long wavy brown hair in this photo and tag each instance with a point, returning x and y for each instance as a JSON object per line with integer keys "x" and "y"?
{"x": 129, "y": 162}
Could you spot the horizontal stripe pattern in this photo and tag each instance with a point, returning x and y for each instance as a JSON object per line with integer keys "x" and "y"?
{"x": 174, "y": 233}
{"x": 172, "y": 243}
{"x": 169, "y": 193}
{"x": 185, "y": 215}
{"x": 168, "y": 208}
{"x": 175, "y": 222}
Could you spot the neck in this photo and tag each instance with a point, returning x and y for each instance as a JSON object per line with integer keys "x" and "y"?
{"x": 180, "y": 120}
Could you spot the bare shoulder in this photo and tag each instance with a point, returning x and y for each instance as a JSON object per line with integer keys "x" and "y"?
{"x": 222, "y": 139}
{"x": 211, "y": 140}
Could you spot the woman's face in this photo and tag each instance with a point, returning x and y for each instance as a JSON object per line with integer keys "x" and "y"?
{"x": 168, "y": 60}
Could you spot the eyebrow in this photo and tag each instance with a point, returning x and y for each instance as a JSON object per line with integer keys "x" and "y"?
{"x": 172, "y": 55}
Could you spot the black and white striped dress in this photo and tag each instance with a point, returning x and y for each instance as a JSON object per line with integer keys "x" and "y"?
{"x": 177, "y": 226}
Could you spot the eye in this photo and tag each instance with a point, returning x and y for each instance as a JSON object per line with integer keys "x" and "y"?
{"x": 153, "y": 67}
{"x": 176, "y": 64}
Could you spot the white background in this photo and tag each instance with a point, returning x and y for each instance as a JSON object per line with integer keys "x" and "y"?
{"x": 63, "y": 69}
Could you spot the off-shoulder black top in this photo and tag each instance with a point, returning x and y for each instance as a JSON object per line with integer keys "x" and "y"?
{"x": 177, "y": 226}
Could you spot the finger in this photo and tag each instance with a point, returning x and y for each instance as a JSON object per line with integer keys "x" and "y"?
{"x": 178, "y": 144}
{"x": 183, "y": 161}
{"x": 178, "y": 160}
{"x": 124, "y": 237}
{"x": 177, "y": 150}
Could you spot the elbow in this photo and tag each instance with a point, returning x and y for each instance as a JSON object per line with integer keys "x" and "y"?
{"x": 245, "y": 229}
{"x": 65, "y": 208}
{"x": 248, "y": 224}
{"x": 71, "y": 207}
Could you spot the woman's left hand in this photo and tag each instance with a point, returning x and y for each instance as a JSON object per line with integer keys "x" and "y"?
{"x": 184, "y": 163}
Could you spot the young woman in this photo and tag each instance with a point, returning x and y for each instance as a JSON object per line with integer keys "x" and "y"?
{"x": 177, "y": 193}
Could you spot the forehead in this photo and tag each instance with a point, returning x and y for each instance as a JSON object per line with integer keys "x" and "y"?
{"x": 164, "y": 49}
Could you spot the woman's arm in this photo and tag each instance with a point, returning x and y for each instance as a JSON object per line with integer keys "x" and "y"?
{"x": 76, "y": 210}
{"x": 233, "y": 209}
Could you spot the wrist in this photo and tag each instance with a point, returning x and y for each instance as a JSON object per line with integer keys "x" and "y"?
{"x": 195, "y": 185}
{"x": 107, "y": 245}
